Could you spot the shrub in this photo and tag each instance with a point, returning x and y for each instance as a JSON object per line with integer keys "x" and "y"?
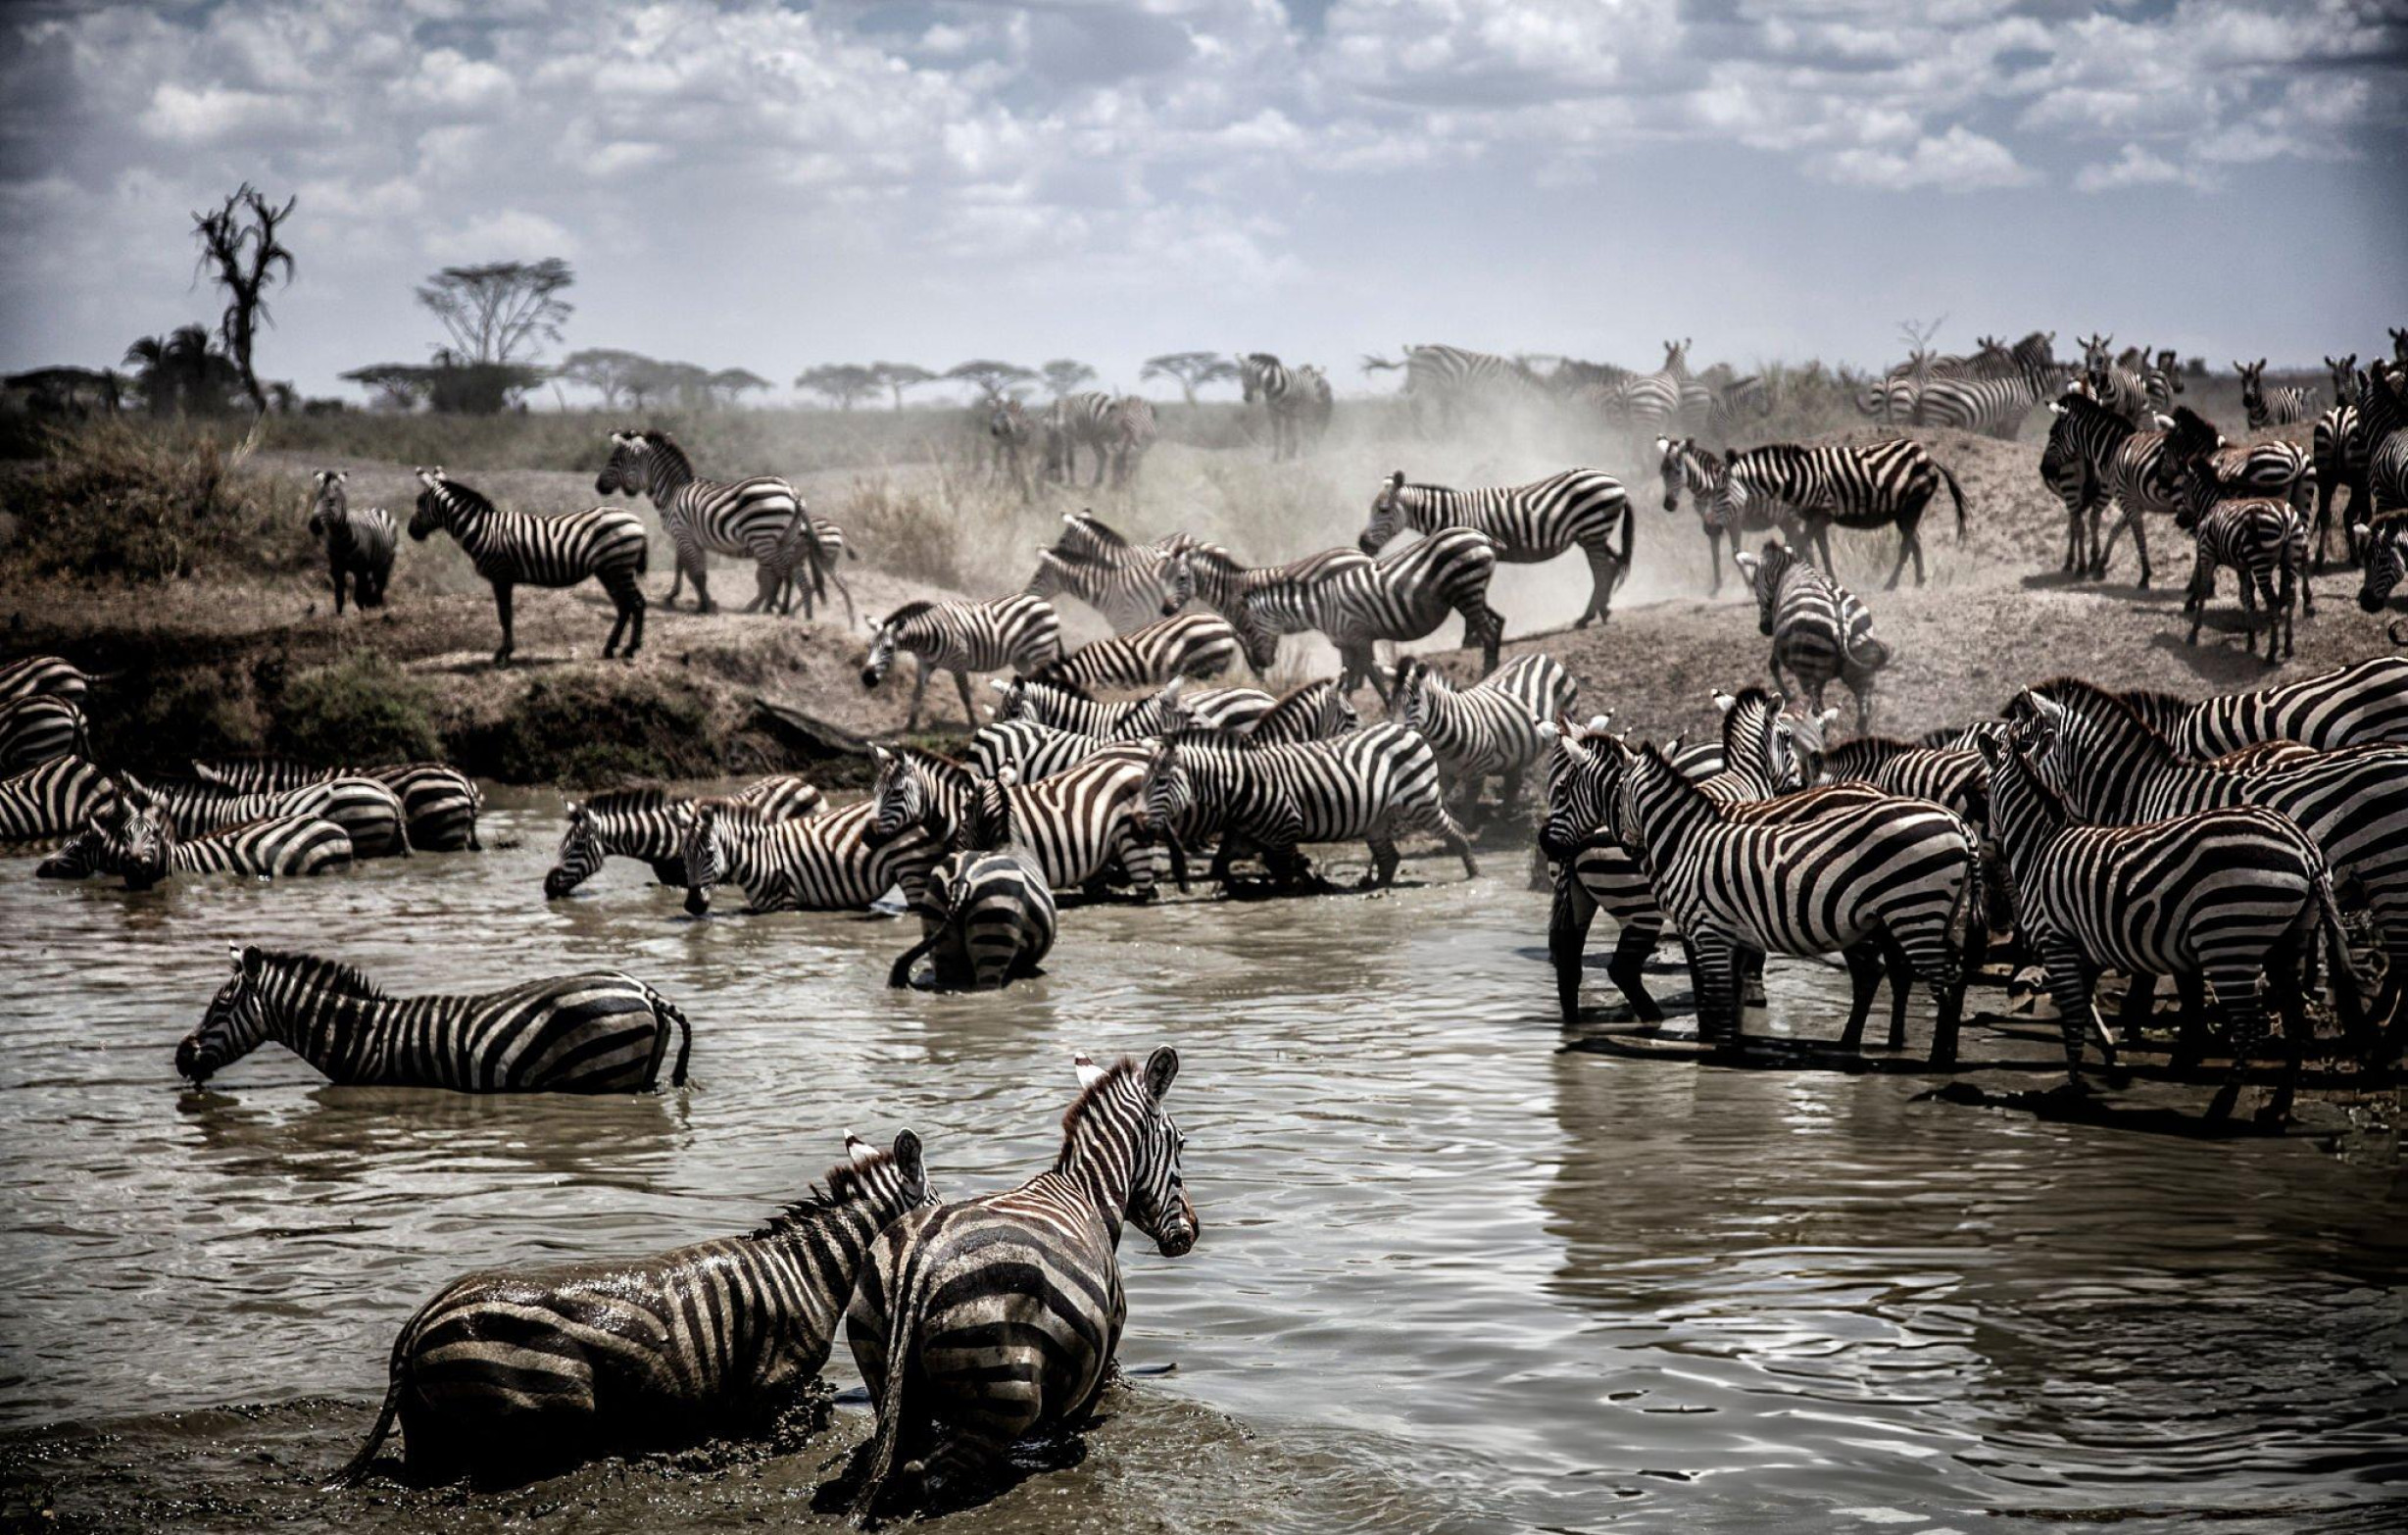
{"x": 361, "y": 709}
{"x": 584, "y": 731}
{"x": 114, "y": 500}
{"x": 162, "y": 720}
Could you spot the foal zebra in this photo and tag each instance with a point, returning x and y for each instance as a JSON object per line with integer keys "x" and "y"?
{"x": 832, "y": 863}
{"x": 49, "y": 802}
{"x": 1875, "y": 485}
{"x": 359, "y": 544}
{"x": 1684, "y": 465}
{"x": 976, "y": 1322}
{"x": 1198, "y": 645}
{"x": 1527, "y": 524}
{"x": 2280, "y": 405}
{"x": 2360, "y": 705}
{"x": 762, "y": 516}
{"x": 1018, "y": 632}
{"x": 522, "y": 1369}
{"x": 596, "y": 1032}
{"x": 1819, "y": 629}
{"x": 1489, "y": 730}
{"x": 511, "y": 549}
{"x": 646, "y": 824}
{"x": 40, "y": 728}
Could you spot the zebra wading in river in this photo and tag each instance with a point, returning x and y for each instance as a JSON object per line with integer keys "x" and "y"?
{"x": 369, "y": 814}
{"x": 596, "y": 1032}
{"x": 645, "y": 824}
{"x": 953, "y": 1388}
{"x": 125, "y": 835}
{"x": 39, "y": 728}
{"x": 513, "y": 1371}
{"x": 1078, "y": 826}
{"x": 2280, "y": 405}
{"x": 829, "y": 863}
{"x": 513, "y": 549}
{"x": 1877, "y": 486}
{"x": 2222, "y": 896}
{"x": 51, "y": 802}
{"x": 1820, "y": 631}
{"x": 360, "y": 543}
{"x": 1526, "y": 524}
{"x": 990, "y": 914}
{"x": 763, "y": 517}
{"x": 2360, "y": 705}
{"x": 1489, "y": 730}
{"x": 439, "y": 803}
{"x": 1018, "y": 632}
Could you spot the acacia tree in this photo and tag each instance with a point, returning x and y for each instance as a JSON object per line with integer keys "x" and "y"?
{"x": 501, "y": 311}
{"x": 896, "y": 377}
{"x": 608, "y": 370}
{"x": 991, "y": 379}
{"x": 729, "y": 384}
{"x": 1063, "y": 374}
{"x": 240, "y": 251}
{"x": 845, "y": 383}
{"x": 1191, "y": 371}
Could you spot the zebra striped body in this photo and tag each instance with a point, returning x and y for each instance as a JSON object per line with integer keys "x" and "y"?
{"x": 371, "y": 813}
{"x": 1526, "y": 524}
{"x": 1263, "y": 377}
{"x": 761, "y": 518}
{"x": 1489, "y": 730}
{"x": 2131, "y": 470}
{"x": 1018, "y": 632}
{"x": 526, "y": 1369}
{"x": 827, "y": 863}
{"x": 1372, "y": 784}
{"x": 1069, "y": 708}
{"x": 1650, "y": 403}
{"x": 40, "y": 728}
{"x": 1876, "y": 486}
{"x": 2360, "y": 705}
{"x": 1316, "y": 403}
{"x": 1134, "y": 431}
{"x": 2225, "y": 896}
{"x": 512, "y": 549}
{"x": 2266, "y": 544}
{"x": 2386, "y": 415}
{"x": 1077, "y": 825}
{"x": 2385, "y": 552}
{"x": 143, "y": 849}
{"x": 29, "y": 676}
{"x": 1191, "y": 645}
{"x": 2113, "y": 769}
{"x": 647, "y": 825}
{"x": 1992, "y": 407}
{"x": 1031, "y": 750}
{"x": 2281, "y": 405}
{"x": 1890, "y": 874}
{"x": 2340, "y": 460}
{"x": 2117, "y": 384}
{"x": 1131, "y": 588}
{"x": 1405, "y": 595}
{"x": 1087, "y": 419}
{"x": 1686, "y": 467}
{"x": 1315, "y": 712}
{"x": 1736, "y": 405}
{"x": 978, "y": 1322}
{"x": 1446, "y": 381}
{"x": 1232, "y": 711}
{"x": 51, "y": 802}
{"x": 1265, "y": 602}
{"x": 439, "y": 803}
{"x": 992, "y": 917}
{"x": 359, "y": 544}
{"x": 1950, "y": 777}
{"x": 1819, "y": 629}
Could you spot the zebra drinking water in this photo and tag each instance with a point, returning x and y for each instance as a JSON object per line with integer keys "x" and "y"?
{"x": 1526, "y": 524}
{"x": 596, "y": 1032}
{"x": 127, "y": 835}
{"x": 524, "y": 1369}
{"x": 513, "y": 549}
{"x": 359, "y": 544}
{"x": 1017, "y": 633}
{"x": 763, "y": 517}
{"x": 953, "y": 1389}
{"x": 829, "y": 863}
{"x": 645, "y": 824}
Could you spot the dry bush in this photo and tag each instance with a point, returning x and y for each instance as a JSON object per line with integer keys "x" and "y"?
{"x": 119, "y": 500}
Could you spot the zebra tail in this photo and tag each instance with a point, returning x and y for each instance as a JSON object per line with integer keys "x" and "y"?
{"x": 668, "y": 1011}
{"x": 2346, "y": 999}
{"x": 901, "y": 1337}
{"x": 397, "y": 1374}
{"x": 1956, "y": 493}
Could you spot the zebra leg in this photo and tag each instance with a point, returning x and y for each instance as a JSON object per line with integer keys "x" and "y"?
{"x": 970, "y": 710}
{"x": 919, "y": 690}
{"x": 2133, "y": 1014}
{"x": 1899, "y": 967}
{"x": 1907, "y": 545}
{"x": 1713, "y": 560}
{"x": 899, "y": 975}
{"x": 1714, "y": 967}
{"x": 1864, "y": 978}
{"x": 1384, "y": 860}
{"x": 1567, "y": 939}
{"x": 2291, "y": 1006}
{"x": 501, "y": 605}
{"x": 1628, "y": 968}
{"x": 2071, "y": 982}
{"x": 2245, "y": 1012}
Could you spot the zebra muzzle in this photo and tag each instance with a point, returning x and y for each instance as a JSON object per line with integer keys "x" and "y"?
{"x": 698, "y": 901}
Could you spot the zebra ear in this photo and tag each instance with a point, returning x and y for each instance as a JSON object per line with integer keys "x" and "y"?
{"x": 1548, "y": 730}
{"x": 999, "y": 684}
{"x": 1161, "y": 1070}
{"x": 908, "y": 1162}
{"x": 861, "y": 1151}
{"x": 1598, "y": 722}
{"x": 250, "y": 960}
{"x": 880, "y": 755}
{"x": 1089, "y": 1073}
{"x": 1748, "y": 562}
{"x": 1725, "y": 701}
{"x": 1823, "y": 721}
{"x": 2360, "y": 530}
{"x": 233, "y": 952}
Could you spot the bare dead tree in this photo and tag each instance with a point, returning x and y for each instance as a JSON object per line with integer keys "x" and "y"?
{"x": 242, "y": 254}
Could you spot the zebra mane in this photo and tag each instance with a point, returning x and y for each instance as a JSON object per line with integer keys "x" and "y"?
{"x": 839, "y": 1186}
{"x": 906, "y": 612}
{"x": 1062, "y": 685}
{"x": 1868, "y": 749}
{"x": 616, "y": 801}
{"x": 462, "y": 498}
{"x": 2058, "y": 689}
{"x": 1119, "y": 1071}
{"x": 336, "y": 975}
{"x": 1100, "y": 531}
{"x": 2143, "y": 701}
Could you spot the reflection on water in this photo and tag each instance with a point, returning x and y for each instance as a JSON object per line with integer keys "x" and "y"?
{"x": 1459, "y": 1270}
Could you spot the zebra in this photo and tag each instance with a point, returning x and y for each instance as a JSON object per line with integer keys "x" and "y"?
{"x": 2130, "y": 468}
{"x": 29, "y": 676}
{"x": 530, "y": 1367}
{"x": 1130, "y": 591}
{"x": 51, "y": 802}
{"x": 1232, "y": 711}
{"x": 764, "y": 518}
{"x": 2341, "y": 460}
{"x": 1199, "y": 645}
{"x": 1312, "y": 712}
{"x": 994, "y": 915}
{"x": 369, "y": 814}
{"x": 1882, "y": 879}
{"x": 1019, "y": 631}
{"x": 2118, "y": 385}
{"x": 1819, "y": 629}
{"x": 439, "y": 803}
{"x": 1072, "y": 709}
{"x": 2225, "y": 896}
{"x": 1875, "y": 485}
{"x": 1263, "y": 377}
{"x": 1526, "y": 524}
{"x": 40, "y": 728}
{"x": 1133, "y": 433}
{"x": 831, "y": 863}
{"x": 2386, "y": 416}
{"x": 2163, "y": 378}
{"x": 954, "y": 1386}
{"x": 359, "y": 544}
{"x": 1686, "y": 467}
{"x": 1028, "y": 749}
{"x": 1010, "y": 430}
{"x": 1446, "y": 380}
{"x": 834, "y": 550}
{"x": 2067, "y": 474}
{"x": 643, "y": 825}
{"x": 141, "y": 847}
{"x": 1405, "y": 595}
{"x": 1991, "y": 407}
{"x": 2280, "y": 405}
{"x": 511, "y": 549}
{"x": 1372, "y": 784}
{"x": 1317, "y": 403}
{"x": 2399, "y": 346}
{"x": 1264, "y": 602}
{"x": 1951, "y": 776}
{"x": 1089, "y": 419}
{"x": 2113, "y": 769}
{"x": 2385, "y": 550}
{"x": 1488, "y": 730}
{"x": 2258, "y": 538}
{"x": 1078, "y": 826}
{"x": 2361, "y": 705}
{"x": 2281, "y": 470}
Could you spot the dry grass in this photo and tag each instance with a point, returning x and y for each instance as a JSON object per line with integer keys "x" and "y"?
{"x": 122, "y": 500}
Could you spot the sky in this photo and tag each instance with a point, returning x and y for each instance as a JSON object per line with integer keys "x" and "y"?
{"x": 748, "y": 184}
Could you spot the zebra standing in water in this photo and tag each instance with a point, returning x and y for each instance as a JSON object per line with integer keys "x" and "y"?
{"x": 1018, "y": 632}
{"x": 1263, "y": 377}
{"x": 2281, "y": 405}
{"x": 596, "y": 1032}
{"x": 127, "y": 837}
{"x": 832, "y": 863}
{"x": 2226, "y": 896}
{"x": 645, "y": 824}
{"x": 1077, "y": 824}
{"x": 518, "y": 1370}
{"x": 40, "y": 728}
{"x": 1684, "y": 465}
{"x": 439, "y": 804}
{"x": 1486, "y": 730}
{"x": 762, "y": 516}
{"x": 1527, "y": 524}
{"x": 953, "y": 1388}
{"x": 1819, "y": 629}
{"x": 359, "y": 544}
{"x": 1876, "y": 486}
{"x": 49, "y": 802}
{"x": 512, "y": 549}
{"x": 369, "y": 812}
{"x": 2125, "y": 468}
{"x": 994, "y": 917}
{"x": 2360, "y": 705}
{"x": 1201, "y": 645}
{"x": 1087, "y": 419}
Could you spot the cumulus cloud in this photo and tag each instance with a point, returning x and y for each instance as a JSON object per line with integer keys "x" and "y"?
{"x": 1957, "y": 161}
{"x": 2134, "y": 167}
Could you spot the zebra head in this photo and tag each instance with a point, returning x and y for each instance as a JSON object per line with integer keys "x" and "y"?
{"x": 1252, "y": 371}
{"x": 2386, "y": 565}
{"x": 1123, "y": 1103}
{"x": 1684, "y": 465}
{"x": 330, "y": 504}
{"x": 2344, "y": 372}
{"x": 135, "y": 836}
{"x": 581, "y": 854}
{"x": 699, "y": 848}
{"x": 2252, "y": 386}
{"x": 1409, "y": 700}
{"x": 881, "y": 656}
{"x": 900, "y": 795}
{"x": 1167, "y": 794}
{"x": 629, "y": 468}
{"x": 1582, "y": 774}
{"x": 1178, "y": 582}
{"x": 434, "y": 508}
{"x": 1805, "y": 733}
{"x": 1389, "y": 515}
{"x": 888, "y": 1182}
{"x": 236, "y": 1024}
{"x": 1764, "y": 572}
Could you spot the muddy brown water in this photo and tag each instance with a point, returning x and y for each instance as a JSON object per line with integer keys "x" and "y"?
{"x": 1459, "y": 1270}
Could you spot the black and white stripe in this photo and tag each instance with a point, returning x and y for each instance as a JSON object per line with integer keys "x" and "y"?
{"x": 1262, "y": 376}
{"x": 827, "y": 863}
{"x": 2385, "y": 413}
{"x": 51, "y": 802}
{"x": 1133, "y": 433}
{"x": 596, "y": 1032}
{"x": 1526, "y": 524}
{"x": 1684, "y": 467}
{"x": 1071, "y": 709}
{"x": 1819, "y": 629}
{"x": 2129, "y": 468}
{"x": 2280, "y": 405}
{"x": 761, "y": 518}
{"x": 1488, "y": 730}
{"x": 1444, "y": 382}
{"x": 513, "y": 1371}
{"x": 1993, "y": 407}
{"x": 2383, "y": 551}
{"x": 1263, "y": 602}
{"x": 2342, "y": 458}
{"x": 990, "y": 915}
{"x": 439, "y": 803}
{"x": 124, "y": 836}
{"x": 1018, "y": 632}
{"x": 1405, "y": 595}
{"x": 1130, "y": 585}
{"x": 1316, "y": 711}
{"x": 646, "y": 824}
{"x": 1078, "y": 826}
{"x": 1875, "y": 485}
{"x": 1090, "y": 419}
{"x": 512, "y": 549}
{"x": 360, "y": 543}
{"x": 2118, "y": 384}
{"x": 2266, "y": 544}
{"x": 29, "y": 676}
{"x": 975, "y": 1323}
{"x": 1195, "y": 645}
{"x": 38, "y": 728}
{"x": 2360, "y": 705}
{"x": 368, "y": 811}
